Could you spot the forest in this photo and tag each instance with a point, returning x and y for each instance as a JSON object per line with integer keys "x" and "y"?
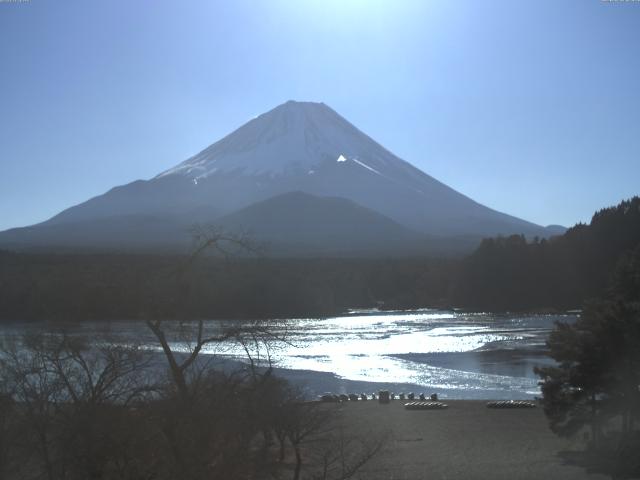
{"x": 560, "y": 273}
{"x": 502, "y": 274}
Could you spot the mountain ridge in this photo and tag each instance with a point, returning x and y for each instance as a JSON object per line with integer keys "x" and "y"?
{"x": 306, "y": 218}
{"x": 297, "y": 146}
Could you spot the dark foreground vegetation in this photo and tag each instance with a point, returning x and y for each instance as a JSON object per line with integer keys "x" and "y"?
{"x": 594, "y": 388}
{"x": 74, "y": 408}
{"x": 78, "y": 408}
{"x": 507, "y": 273}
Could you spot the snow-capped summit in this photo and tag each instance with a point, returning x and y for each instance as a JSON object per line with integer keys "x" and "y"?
{"x": 300, "y": 147}
{"x": 292, "y": 138}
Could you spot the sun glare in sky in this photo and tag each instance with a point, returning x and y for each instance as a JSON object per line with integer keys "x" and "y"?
{"x": 518, "y": 105}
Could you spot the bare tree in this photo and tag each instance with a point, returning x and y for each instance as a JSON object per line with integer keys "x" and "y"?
{"x": 7, "y": 433}
{"x": 345, "y": 455}
{"x": 213, "y": 424}
{"x": 207, "y": 240}
{"x": 28, "y": 380}
{"x": 69, "y": 395}
{"x": 302, "y": 421}
{"x": 316, "y": 431}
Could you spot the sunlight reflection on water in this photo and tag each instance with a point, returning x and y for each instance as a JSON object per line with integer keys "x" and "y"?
{"x": 468, "y": 355}
{"x": 434, "y": 349}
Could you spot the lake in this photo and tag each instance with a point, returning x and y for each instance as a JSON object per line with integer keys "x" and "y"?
{"x": 455, "y": 354}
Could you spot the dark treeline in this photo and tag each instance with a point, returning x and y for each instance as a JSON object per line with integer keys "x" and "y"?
{"x": 96, "y": 287}
{"x": 561, "y": 273}
{"x": 504, "y": 273}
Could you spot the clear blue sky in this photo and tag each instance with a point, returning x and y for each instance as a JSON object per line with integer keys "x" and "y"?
{"x": 530, "y": 107}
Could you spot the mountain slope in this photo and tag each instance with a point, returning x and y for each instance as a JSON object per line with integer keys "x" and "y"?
{"x": 133, "y": 232}
{"x": 296, "y": 147}
{"x": 299, "y": 222}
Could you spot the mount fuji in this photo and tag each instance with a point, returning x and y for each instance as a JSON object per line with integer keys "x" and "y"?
{"x": 297, "y": 169}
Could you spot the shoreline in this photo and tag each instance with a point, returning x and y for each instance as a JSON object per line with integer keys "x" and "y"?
{"x": 315, "y": 383}
{"x": 466, "y": 440}
{"x": 54, "y": 322}
{"x": 493, "y": 372}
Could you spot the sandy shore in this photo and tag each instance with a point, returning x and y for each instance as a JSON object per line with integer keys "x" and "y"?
{"x": 466, "y": 441}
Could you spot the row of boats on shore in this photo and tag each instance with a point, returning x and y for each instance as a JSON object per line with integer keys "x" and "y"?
{"x": 383, "y": 396}
{"x": 419, "y": 402}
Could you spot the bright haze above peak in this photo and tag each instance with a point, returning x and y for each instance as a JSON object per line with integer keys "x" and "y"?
{"x": 511, "y": 103}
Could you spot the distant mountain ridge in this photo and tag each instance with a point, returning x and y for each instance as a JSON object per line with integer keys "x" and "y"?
{"x": 299, "y": 147}
{"x": 303, "y": 223}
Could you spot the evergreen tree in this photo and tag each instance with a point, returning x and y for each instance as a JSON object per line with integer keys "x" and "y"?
{"x": 596, "y": 381}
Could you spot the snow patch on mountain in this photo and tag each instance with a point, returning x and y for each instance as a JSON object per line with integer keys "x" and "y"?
{"x": 297, "y": 146}
{"x": 362, "y": 164}
{"x": 293, "y": 137}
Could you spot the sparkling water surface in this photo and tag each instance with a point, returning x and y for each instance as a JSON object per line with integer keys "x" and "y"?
{"x": 461, "y": 355}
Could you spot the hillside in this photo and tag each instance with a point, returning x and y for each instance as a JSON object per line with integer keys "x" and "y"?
{"x": 296, "y": 147}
